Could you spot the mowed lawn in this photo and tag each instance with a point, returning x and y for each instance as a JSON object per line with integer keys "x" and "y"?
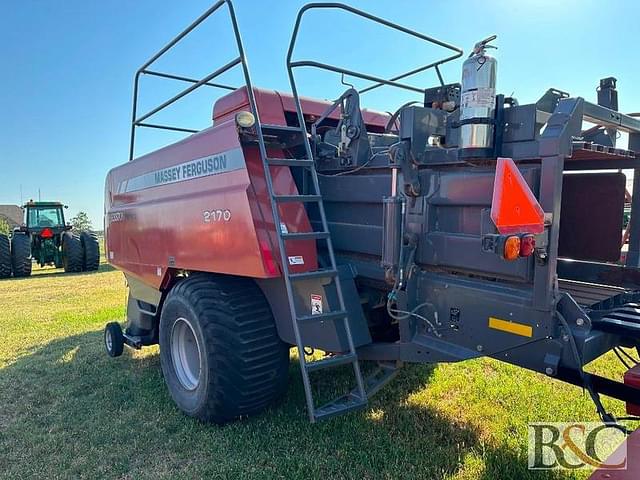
{"x": 69, "y": 411}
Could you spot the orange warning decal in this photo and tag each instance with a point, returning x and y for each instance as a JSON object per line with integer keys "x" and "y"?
{"x": 514, "y": 208}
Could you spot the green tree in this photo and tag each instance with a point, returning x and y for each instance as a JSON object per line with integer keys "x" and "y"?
{"x": 4, "y": 226}
{"x": 81, "y": 222}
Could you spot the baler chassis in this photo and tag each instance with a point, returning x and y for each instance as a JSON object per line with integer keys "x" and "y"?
{"x": 431, "y": 270}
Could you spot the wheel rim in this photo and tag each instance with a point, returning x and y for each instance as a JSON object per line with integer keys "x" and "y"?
{"x": 185, "y": 353}
{"x": 108, "y": 340}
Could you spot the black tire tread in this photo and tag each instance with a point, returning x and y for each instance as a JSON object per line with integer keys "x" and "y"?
{"x": 5, "y": 257}
{"x": 72, "y": 255}
{"x": 90, "y": 251}
{"x": 117, "y": 339}
{"x": 249, "y": 359}
{"x": 21, "y": 254}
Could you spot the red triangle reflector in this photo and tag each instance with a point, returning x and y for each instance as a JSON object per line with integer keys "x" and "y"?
{"x": 514, "y": 208}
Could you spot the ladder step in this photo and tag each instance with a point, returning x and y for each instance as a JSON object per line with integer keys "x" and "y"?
{"x": 269, "y": 128}
{"x": 333, "y": 361}
{"x": 305, "y": 235}
{"x": 344, "y": 404}
{"x": 291, "y": 162}
{"x": 297, "y": 198}
{"x": 323, "y": 272}
{"x": 321, "y": 317}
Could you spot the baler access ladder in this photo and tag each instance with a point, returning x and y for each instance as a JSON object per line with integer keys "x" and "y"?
{"x": 357, "y": 398}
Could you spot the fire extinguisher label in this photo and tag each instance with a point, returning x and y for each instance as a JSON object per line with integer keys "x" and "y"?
{"x": 482, "y": 97}
{"x": 316, "y": 304}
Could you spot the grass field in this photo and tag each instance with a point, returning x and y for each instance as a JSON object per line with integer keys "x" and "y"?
{"x": 69, "y": 411}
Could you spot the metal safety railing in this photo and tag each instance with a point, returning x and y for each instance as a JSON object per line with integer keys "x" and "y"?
{"x": 139, "y": 121}
{"x": 393, "y": 81}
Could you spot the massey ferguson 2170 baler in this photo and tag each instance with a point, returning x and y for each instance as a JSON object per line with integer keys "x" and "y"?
{"x": 453, "y": 229}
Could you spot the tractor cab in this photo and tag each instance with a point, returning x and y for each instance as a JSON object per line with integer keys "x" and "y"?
{"x": 43, "y": 229}
{"x": 45, "y": 217}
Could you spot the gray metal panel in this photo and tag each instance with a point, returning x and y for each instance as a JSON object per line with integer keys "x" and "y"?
{"x": 365, "y": 239}
{"x": 141, "y": 291}
{"x": 331, "y": 335}
{"x": 468, "y": 333}
{"x": 448, "y": 218}
{"x": 464, "y": 252}
{"x": 456, "y": 219}
{"x": 455, "y": 199}
{"x": 353, "y": 206}
{"x": 451, "y": 236}
{"x": 473, "y": 185}
{"x": 362, "y": 214}
{"x": 521, "y": 150}
{"x": 328, "y": 335}
{"x": 520, "y": 123}
{"x": 359, "y": 188}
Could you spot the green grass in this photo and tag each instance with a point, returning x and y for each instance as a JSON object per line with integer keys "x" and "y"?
{"x": 69, "y": 411}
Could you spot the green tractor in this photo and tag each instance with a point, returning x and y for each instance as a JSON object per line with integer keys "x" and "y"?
{"x": 46, "y": 239}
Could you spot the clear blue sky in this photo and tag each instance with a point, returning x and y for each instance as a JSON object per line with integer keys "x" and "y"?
{"x": 67, "y": 69}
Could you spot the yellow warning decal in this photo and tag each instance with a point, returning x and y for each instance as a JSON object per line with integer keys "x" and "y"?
{"x": 511, "y": 327}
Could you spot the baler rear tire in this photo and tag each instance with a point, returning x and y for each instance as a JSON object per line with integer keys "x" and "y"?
{"x": 90, "y": 251}
{"x": 5, "y": 257}
{"x": 72, "y": 256}
{"x": 21, "y": 254}
{"x": 243, "y": 364}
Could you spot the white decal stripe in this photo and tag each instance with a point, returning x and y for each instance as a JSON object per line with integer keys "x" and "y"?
{"x": 222, "y": 162}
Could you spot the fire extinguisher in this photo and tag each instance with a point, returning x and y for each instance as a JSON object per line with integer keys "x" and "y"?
{"x": 478, "y": 101}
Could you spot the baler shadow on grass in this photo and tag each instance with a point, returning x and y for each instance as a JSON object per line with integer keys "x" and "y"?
{"x": 70, "y": 412}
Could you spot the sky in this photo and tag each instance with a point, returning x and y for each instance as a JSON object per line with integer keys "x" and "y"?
{"x": 67, "y": 69}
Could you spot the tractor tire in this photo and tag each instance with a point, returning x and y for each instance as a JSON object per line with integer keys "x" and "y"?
{"x": 220, "y": 353}
{"x": 72, "y": 254}
{"x": 5, "y": 257}
{"x": 21, "y": 254}
{"x": 90, "y": 251}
